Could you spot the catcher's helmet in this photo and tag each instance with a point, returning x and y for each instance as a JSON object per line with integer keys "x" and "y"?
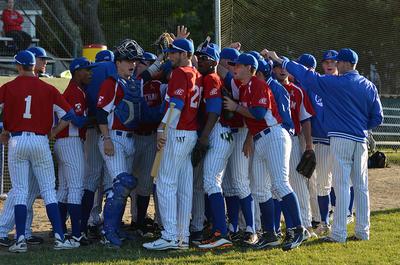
{"x": 128, "y": 49}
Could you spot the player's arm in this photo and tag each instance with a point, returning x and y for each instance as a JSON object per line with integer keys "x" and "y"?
{"x": 248, "y": 145}
{"x": 376, "y": 113}
{"x": 79, "y": 119}
{"x": 306, "y": 112}
{"x": 63, "y": 111}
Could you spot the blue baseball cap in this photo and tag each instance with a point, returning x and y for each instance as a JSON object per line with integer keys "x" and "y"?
{"x": 80, "y": 63}
{"x": 104, "y": 55}
{"x": 329, "y": 55}
{"x": 307, "y": 60}
{"x": 246, "y": 59}
{"x": 25, "y": 58}
{"x": 39, "y": 52}
{"x": 347, "y": 55}
{"x": 265, "y": 67}
{"x": 211, "y": 50}
{"x": 180, "y": 45}
{"x": 230, "y": 54}
{"x": 256, "y": 55}
{"x": 148, "y": 56}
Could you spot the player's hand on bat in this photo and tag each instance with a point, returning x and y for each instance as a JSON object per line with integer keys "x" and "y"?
{"x": 248, "y": 147}
{"x": 4, "y": 137}
{"x": 161, "y": 140}
{"x": 229, "y": 104}
{"x": 108, "y": 147}
{"x": 182, "y": 32}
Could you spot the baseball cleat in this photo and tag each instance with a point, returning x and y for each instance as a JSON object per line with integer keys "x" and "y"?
{"x": 163, "y": 244}
{"x": 196, "y": 237}
{"x": 60, "y": 244}
{"x": 143, "y": 231}
{"x": 111, "y": 240}
{"x": 183, "y": 245}
{"x": 294, "y": 238}
{"x": 350, "y": 219}
{"x": 323, "y": 229}
{"x": 82, "y": 240}
{"x": 215, "y": 241}
{"x": 234, "y": 236}
{"x": 329, "y": 239}
{"x": 20, "y": 246}
{"x": 34, "y": 240}
{"x": 314, "y": 224}
{"x": 309, "y": 233}
{"x": 6, "y": 242}
{"x": 94, "y": 232}
{"x": 250, "y": 238}
{"x": 267, "y": 240}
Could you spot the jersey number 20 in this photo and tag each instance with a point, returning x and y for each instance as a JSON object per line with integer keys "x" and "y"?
{"x": 28, "y": 101}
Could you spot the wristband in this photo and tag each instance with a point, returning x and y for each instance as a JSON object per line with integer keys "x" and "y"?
{"x": 160, "y": 130}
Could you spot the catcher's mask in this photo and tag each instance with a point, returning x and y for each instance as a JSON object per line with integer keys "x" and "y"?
{"x": 128, "y": 49}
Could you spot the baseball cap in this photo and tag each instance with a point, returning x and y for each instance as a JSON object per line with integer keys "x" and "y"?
{"x": 307, "y": 60}
{"x": 265, "y": 67}
{"x": 230, "y": 54}
{"x": 329, "y": 55}
{"x": 148, "y": 56}
{"x": 80, "y": 63}
{"x": 25, "y": 58}
{"x": 180, "y": 45}
{"x": 211, "y": 50}
{"x": 246, "y": 59}
{"x": 104, "y": 55}
{"x": 347, "y": 55}
{"x": 256, "y": 55}
{"x": 39, "y": 52}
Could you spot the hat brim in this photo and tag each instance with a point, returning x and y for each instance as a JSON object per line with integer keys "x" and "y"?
{"x": 329, "y": 58}
{"x": 173, "y": 48}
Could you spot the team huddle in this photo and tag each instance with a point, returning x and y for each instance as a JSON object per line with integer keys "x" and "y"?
{"x": 227, "y": 143}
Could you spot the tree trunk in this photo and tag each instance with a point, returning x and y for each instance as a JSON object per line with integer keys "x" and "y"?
{"x": 91, "y": 24}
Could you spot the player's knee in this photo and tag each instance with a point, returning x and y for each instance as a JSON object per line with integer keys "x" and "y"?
{"x": 49, "y": 196}
{"x": 282, "y": 189}
{"x": 75, "y": 195}
{"x": 212, "y": 188}
{"x": 21, "y": 197}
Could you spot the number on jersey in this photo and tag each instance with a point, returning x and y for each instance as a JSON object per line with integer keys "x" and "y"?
{"x": 195, "y": 100}
{"x": 27, "y": 114}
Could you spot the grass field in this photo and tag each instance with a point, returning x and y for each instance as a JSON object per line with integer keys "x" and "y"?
{"x": 383, "y": 248}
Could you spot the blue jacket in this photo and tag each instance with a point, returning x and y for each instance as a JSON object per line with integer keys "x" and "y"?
{"x": 351, "y": 102}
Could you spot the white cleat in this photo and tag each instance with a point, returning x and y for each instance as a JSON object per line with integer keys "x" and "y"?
{"x": 20, "y": 246}
{"x": 64, "y": 244}
{"x": 350, "y": 219}
{"x": 163, "y": 244}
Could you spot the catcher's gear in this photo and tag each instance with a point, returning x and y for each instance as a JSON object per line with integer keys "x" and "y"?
{"x": 227, "y": 114}
{"x": 307, "y": 164}
{"x": 128, "y": 49}
{"x": 129, "y": 108}
{"x": 198, "y": 153}
{"x": 163, "y": 42}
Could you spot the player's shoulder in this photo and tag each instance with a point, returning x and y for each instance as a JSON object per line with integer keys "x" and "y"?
{"x": 109, "y": 81}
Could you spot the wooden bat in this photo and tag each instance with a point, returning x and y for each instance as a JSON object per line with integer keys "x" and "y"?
{"x": 157, "y": 160}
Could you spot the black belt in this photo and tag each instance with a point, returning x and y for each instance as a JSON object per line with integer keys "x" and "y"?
{"x": 13, "y": 134}
{"x": 121, "y": 133}
{"x": 261, "y": 134}
{"x": 234, "y": 130}
{"x": 147, "y": 133}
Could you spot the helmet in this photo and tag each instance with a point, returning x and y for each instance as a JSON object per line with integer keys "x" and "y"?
{"x": 128, "y": 49}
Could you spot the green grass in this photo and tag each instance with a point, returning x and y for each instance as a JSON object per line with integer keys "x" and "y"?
{"x": 393, "y": 157}
{"x": 383, "y": 248}
{"x": 59, "y": 83}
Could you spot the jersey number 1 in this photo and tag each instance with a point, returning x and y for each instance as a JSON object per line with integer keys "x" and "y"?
{"x": 28, "y": 101}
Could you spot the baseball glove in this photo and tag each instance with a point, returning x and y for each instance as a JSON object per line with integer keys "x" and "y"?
{"x": 198, "y": 153}
{"x": 227, "y": 114}
{"x": 163, "y": 42}
{"x": 307, "y": 164}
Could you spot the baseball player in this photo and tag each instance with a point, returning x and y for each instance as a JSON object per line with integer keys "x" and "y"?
{"x": 69, "y": 150}
{"x": 272, "y": 146}
{"x": 41, "y": 61}
{"x": 236, "y": 183}
{"x": 116, "y": 143}
{"x": 351, "y": 108}
{"x": 28, "y": 104}
{"x": 175, "y": 177}
{"x": 301, "y": 112}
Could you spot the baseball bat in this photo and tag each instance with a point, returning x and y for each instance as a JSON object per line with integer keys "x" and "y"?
{"x": 157, "y": 160}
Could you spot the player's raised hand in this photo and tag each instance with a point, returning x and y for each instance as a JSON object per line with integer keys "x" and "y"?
{"x": 108, "y": 147}
{"x": 229, "y": 104}
{"x": 182, "y": 32}
{"x": 264, "y": 53}
{"x": 236, "y": 45}
{"x": 273, "y": 56}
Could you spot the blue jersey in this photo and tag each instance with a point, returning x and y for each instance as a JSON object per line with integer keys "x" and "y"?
{"x": 101, "y": 72}
{"x": 282, "y": 99}
{"x": 351, "y": 102}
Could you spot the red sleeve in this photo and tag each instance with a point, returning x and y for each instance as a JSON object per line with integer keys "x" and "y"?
{"x": 177, "y": 85}
{"x": 2, "y": 93}
{"x": 212, "y": 87}
{"x": 307, "y": 104}
{"x": 20, "y": 19}
{"x": 106, "y": 94}
{"x": 6, "y": 17}
{"x": 74, "y": 99}
{"x": 260, "y": 96}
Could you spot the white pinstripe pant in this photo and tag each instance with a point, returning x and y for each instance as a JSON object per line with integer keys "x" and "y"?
{"x": 175, "y": 184}
{"x": 71, "y": 169}
{"x": 350, "y": 162}
{"x": 323, "y": 169}
{"x": 94, "y": 161}
{"x": 299, "y": 183}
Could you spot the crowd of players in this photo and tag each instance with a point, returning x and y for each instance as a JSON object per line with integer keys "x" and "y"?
{"x": 253, "y": 112}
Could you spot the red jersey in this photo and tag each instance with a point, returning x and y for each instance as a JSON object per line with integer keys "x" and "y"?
{"x": 29, "y": 103}
{"x": 110, "y": 94}
{"x": 300, "y": 105}
{"x": 256, "y": 93}
{"x": 76, "y": 97}
{"x": 237, "y": 120}
{"x": 186, "y": 85}
{"x": 12, "y": 20}
{"x": 153, "y": 97}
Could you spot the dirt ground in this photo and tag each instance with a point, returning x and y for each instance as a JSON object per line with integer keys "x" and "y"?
{"x": 384, "y": 186}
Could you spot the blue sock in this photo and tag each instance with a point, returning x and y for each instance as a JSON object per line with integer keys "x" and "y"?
{"x": 54, "y": 216}
{"x": 75, "y": 212}
{"x": 142, "y": 203}
{"x": 351, "y": 200}
{"x": 217, "y": 207}
{"x": 323, "y": 203}
{"x": 286, "y": 215}
{"x": 291, "y": 203}
{"x": 333, "y": 197}
{"x": 20, "y": 213}
{"x": 267, "y": 215}
{"x": 63, "y": 215}
{"x": 232, "y": 208}
{"x": 277, "y": 216}
{"x": 207, "y": 209}
{"x": 86, "y": 206}
{"x": 247, "y": 205}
